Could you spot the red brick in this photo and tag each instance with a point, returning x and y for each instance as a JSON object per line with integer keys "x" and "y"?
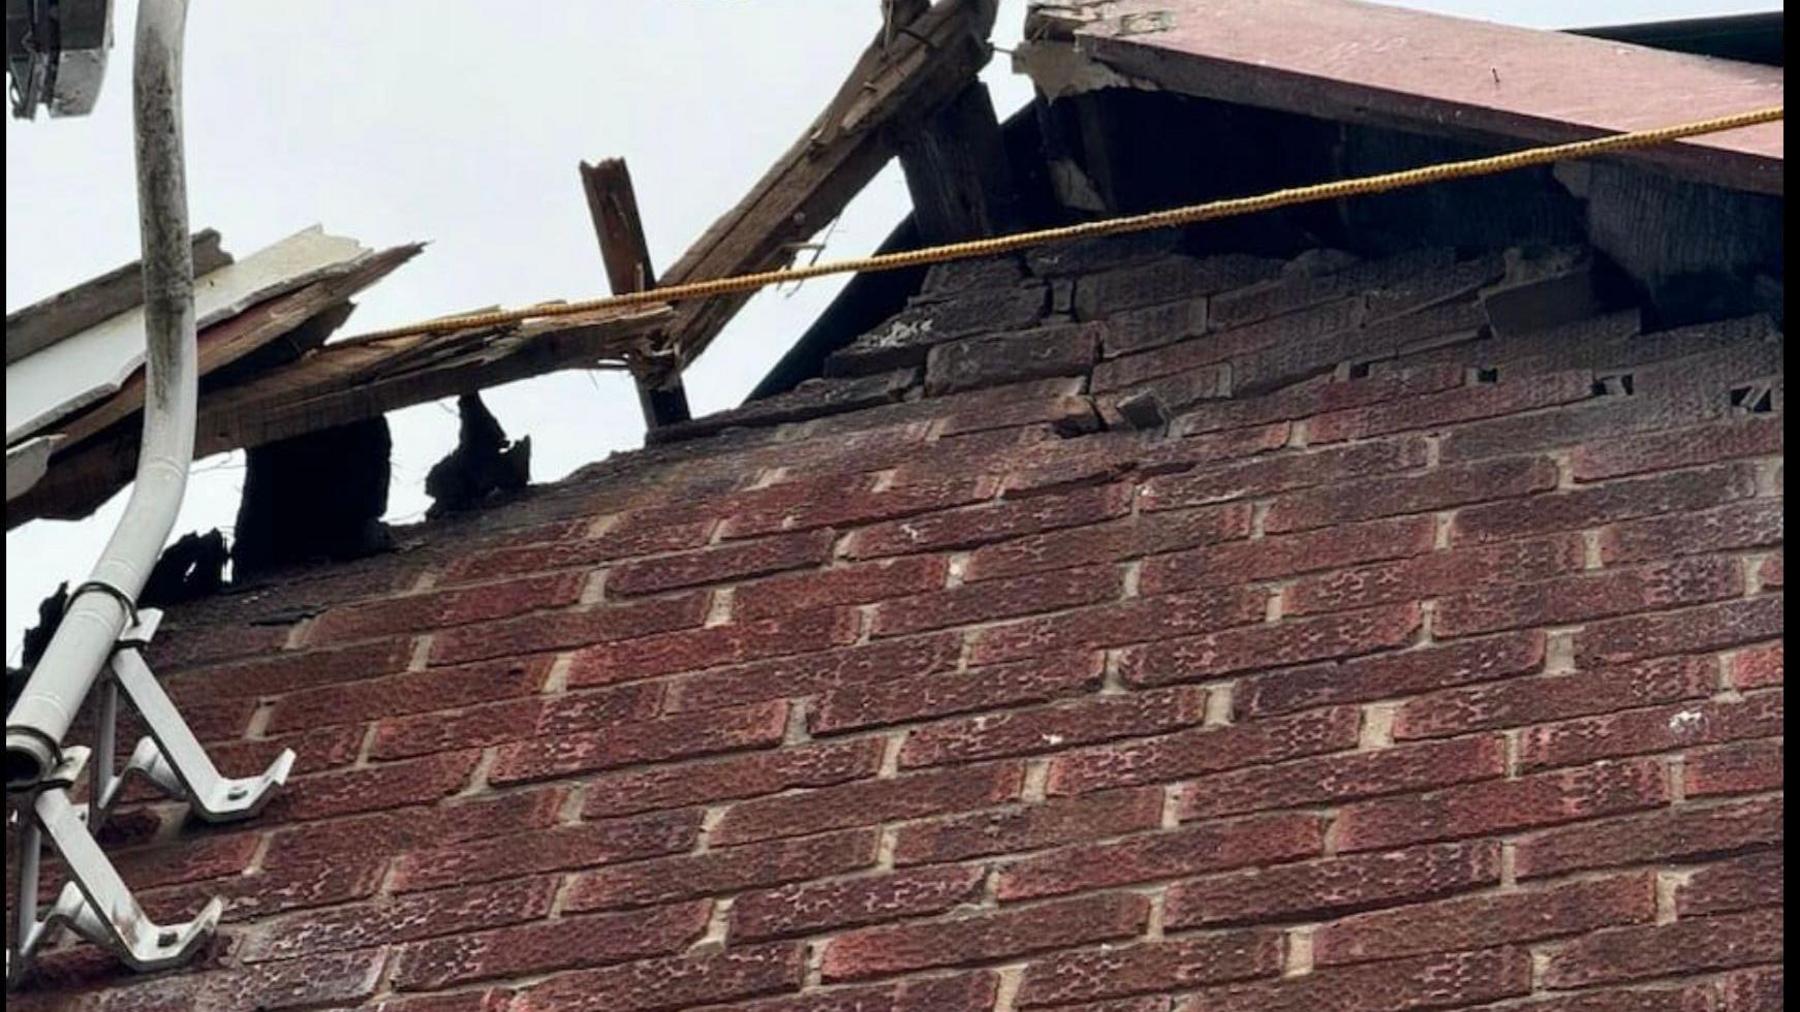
{"x": 403, "y": 829}
{"x": 1330, "y": 779}
{"x": 1049, "y": 408}
{"x": 1268, "y": 475}
{"x": 747, "y": 776}
{"x": 1660, "y": 729}
{"x": 1271, "y": 645}
{"x": 1311, "y": 889}
{"x": 1469, "y": 922}
{"x": 876, "y": 952}
{"x": 812, "y": 673}
{"x": 868, "y": 803}
{"x": 1497, "y": 806}
{"x": 565, "y": 629}
{"x": 414, "y": 692}
{"x": 1255, "y": 841}
{"x": 1165, "y": 455}
{"x": 1457, "y": 571}
{"x": 388, "y": 785}
{"x": 1666, "y": 451}
{"x": 969, "y": 992}
{"x": 1683, "y": 832}
{"x": 417, "y": 613}
{"x": 812, "y": 907}
{"x": 563, "y": 944}
{"x": 556, "y": 849}
{"x": 977, "y": 362}
{"x": 977, "y": 525}
{"x": 1697, "y": 997}
{"x": 730, "y": 870}
{"x": 183, "y": 647}
{"x": 1754, "y": 524}
{"x": 1613, "y": 501}
{"x": 174, "y": 863}
{"x": 315, "y": 751}
{"x": 1423, "y": 982}
{"x": 583, "y": 552}
{"x": 676, "y": 737}
{"x": 1769, "y": 573}
{"x": 997, "y": 599}
{"x": 1652, "y": 587}
{"x": 1134, "y": 621}
{"x": 1029, "y": 827}
{"x": 1347, "y": 502}
{"x": 1288, "y": 555}
{"x": 1149, "y": 967}
{"x": 1436, "y": 410}
{"x": 1757, "y": 667}
{"x": 405, "y": 918}
{"x": 1205, "y": 749}
{"x": 1520, "y": 701}
{"x": 857, "y": 583}
{"x": 1689, "y": 945}
{"x": 1032, "y": 681}
{"x": 1111, "y": 541}
{"x": 1690, "y": 630}
{"x": 857, "y": 507}
{"x": 1745, "y": 768}
{"x": 1756, "y": 990}
{"x": 1047, "y": 728}
{"x": 338, "y": 980}
{"x": 1743, "y": 883}
{"x": 724, "y": 564}
{"x": 514, "y": 720}
{"x": 712, "y": 647}
{"x": 665, "y": 506}
{"x": 1321, "y": 395}
{"x": 668, "y": 983}
{"x": 1165, "y": 279}
{"x": 1253, "y": 343}
{"x": 289, "y": 672}
{"x": 264, "y": 893}
{"x": 491, "y": 999}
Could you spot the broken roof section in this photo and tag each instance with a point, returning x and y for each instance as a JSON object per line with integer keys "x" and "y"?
{"x": 1386, "y": 66}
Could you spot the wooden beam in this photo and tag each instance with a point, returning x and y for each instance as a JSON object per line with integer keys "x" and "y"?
{"x": 908, "y": 72}
{"x": 956, "y": 170}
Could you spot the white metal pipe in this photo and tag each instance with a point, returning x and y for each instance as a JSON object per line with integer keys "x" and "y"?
{"x": 90, "y": 628}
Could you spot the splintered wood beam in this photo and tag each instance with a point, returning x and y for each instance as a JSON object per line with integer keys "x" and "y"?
{"x": 956, "y": 170}
{"x": 626, "y": 253}
{"x": 911, "y": 69}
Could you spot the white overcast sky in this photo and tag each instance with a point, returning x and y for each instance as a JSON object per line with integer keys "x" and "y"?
{"x": 461, "y": 122}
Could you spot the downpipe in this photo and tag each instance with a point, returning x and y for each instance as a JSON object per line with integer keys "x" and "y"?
{"x": 102, "y": 607}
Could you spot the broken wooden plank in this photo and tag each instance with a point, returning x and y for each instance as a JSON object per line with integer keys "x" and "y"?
{"x": 905, "y": 75}
{"x": 956, "y": 170}
{"x": 613, "y": 204}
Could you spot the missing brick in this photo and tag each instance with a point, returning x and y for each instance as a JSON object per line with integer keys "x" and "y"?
{"x": 1487, "y": 376}
{"x": 1754, "y": 399}
{"x": 1358, "y": 370}
{"x": 1620, "y": 385}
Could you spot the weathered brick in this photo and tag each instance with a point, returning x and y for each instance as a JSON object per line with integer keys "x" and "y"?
{"x": 633, "y": 791}
{"x": 1029, "y": 827}
{"x": 997, "y": 599}
{"x": 1422, "y": 982}
{"x": 729, "y": 870}
{"x": 1690, "y": 630}
{"x": 261, "y": 893}
{"x": 1689, "y": 945}
{"x": 1506, "y": 478}
{"x": 1742, "y": 883}
{"x": 1744, "y": 768}
{"x": 1468, "y": 922}
{"x": 1170, "y": 455}
{"x": 762, "y": 507}
{"x": 1271, "y": 645}
{"x": 1458, "y": 571}
{"x": 555, "y": 849}
{"x": 417, "y": 613}
{"x": 812, "y": 907}
{"x": 668, "y": 983}
{"x": 977, "y": 362}
{"x": 858, "y": 507}
{"x": 1593, "y": 505}
{"x": 415, "y": 692}
{"x": 1048, "y": 728}
{"x": 1283, "y": 472}
{"x": 875, "y": 952}
{"x": 1255, "y": 841}
{"x": 1031, "y": 681}
{"x": 335, "y": 980}
{"x": 1754, "y": 524}
{"x": 977, "y": 525}
{"x": 1387, "y": 675}
{"x": 388, "y": 785}
{"x": 1167, "y": 279}
{"x": 514, "y": 720}
{"x": 1757, "y": 667}
{"x": 1139, "y": 620}
{"x": 1328, "y": 779}
{"x": 723, "y": 564}
{"x": 289, "y": 672}
{"x": 1683, "y": 832}
{"x": 1653, "y": 587}
{"x": 183, "y": 647}
{"x": 1205, "y": 749}
{"x": 673, "y": 737}
{"x": 967, "y": 992}
{"x": 488, "y": 999}
{"x": 1520, "y": 701}
{"x": 1659, "y": 729}
{"x": 1135, "y": 330}
{"x": 1320, "y": 395}
{"x": 565, "y": 629}
{"x": 1494, "y": 806}
{"x": 807, "y": 674}
{"x": 317, "y": 750}
{"x": 402, "y": 829}
{"x": 563, "y": 944}
{"x": 1756, "y": 990}
{"x": 1769, "y": 573}
{"x": 1073, "y": 409}
{"x": 1288, "y": 555}
{"x": 1312, "y": 889}
{"x": 862, "y": 804}
{"x": 1260, "y": 343}
{"x": 1111, "y": 541}
{"x": 905, "y": 337}
{"x": 1112, "y": 971}
{"x": 1666, "y": 451}
{"x": 857, "y": 583}
{"x": 1298, "y": 287}
{"x": 712, "y": 647}
{"x": 583, "y": 552}
{"x": 1435, "y": 410}
{"x": 414, "y": 916}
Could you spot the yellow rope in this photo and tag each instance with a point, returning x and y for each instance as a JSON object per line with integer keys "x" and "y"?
{"x": 1111, "y": 226}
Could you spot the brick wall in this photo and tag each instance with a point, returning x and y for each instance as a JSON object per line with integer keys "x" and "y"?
{"x": 1429, "y": 656}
